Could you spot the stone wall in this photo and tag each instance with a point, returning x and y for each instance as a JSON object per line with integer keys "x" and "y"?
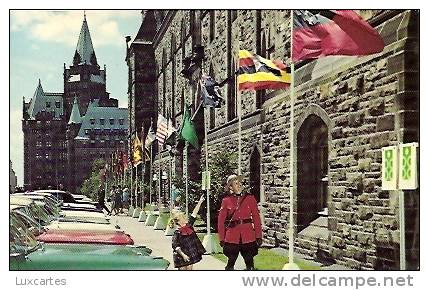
{"x": 365, "y": 102}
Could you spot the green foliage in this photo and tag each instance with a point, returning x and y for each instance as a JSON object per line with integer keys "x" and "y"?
{"x": 90, "y": 185}
{"x": 221, "y": 166}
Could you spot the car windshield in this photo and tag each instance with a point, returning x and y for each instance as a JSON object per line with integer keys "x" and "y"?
{"x": 27, "y": 222}
{"x": 21, "y": 240}
{"x": 42, "y": 212}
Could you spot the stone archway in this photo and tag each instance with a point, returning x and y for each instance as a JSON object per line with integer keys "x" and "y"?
{"x": 312, "y": 169}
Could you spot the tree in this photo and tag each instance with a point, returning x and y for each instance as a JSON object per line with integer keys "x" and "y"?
{"x": 221, "y": 166}
{"x": 91, "y": 184}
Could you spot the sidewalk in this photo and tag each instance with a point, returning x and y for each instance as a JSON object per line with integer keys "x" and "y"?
{"x": 159, "y": 243}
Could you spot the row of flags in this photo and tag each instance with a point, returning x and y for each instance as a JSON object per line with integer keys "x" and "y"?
{"x": 316, "y": 33}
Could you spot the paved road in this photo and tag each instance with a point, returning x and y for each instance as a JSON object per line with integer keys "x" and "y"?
{"x": 159, "y": 243}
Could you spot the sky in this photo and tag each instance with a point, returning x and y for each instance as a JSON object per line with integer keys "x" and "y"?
{"x": 41, "y": 41}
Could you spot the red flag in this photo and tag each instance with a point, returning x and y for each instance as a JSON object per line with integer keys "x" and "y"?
{"x": 319, "y": 33}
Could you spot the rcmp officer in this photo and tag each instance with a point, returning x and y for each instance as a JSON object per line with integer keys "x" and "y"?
{"x": 239, "y": 224}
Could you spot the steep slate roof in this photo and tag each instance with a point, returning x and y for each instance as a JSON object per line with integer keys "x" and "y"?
{"x": 84, "y": 47}
{"x": 75, "y": 117}
{"x": 40, "y": 100}
{"x": 106, "y": 113}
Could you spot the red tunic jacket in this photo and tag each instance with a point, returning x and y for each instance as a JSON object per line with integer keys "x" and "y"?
{"x": 248, "y": 209}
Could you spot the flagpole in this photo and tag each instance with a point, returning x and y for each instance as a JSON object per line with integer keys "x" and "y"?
{"x": 207, "y": 171}
{"x": 291, "y": 265}
{"x": 150, "y": 177}
{"x": 185, "y": 156}
{"x": 143, "y": 140}
{"x": 238, "y": 94}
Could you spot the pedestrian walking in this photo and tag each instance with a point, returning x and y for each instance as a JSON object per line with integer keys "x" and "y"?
{"x": 187, "y": 247}
{"x": 101, "y": 194}
{"x": 239, "y": 224}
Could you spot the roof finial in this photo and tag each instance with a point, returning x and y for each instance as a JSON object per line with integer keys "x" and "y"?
{"x": 84, "y": 15}
{"x": 40, "y": 83}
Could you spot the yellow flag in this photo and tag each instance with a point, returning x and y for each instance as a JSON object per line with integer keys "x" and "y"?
{"x": 137, "y": 151}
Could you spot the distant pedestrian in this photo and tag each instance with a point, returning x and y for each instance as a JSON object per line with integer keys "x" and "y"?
{"x": 101, "y": 194}
{"x": 239, "y": 224}
{"x": 187, "y": 247}
{"x": 125, "y": 198}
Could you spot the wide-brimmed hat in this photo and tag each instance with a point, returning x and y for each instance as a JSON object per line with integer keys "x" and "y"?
{"x": 233, "y": 177}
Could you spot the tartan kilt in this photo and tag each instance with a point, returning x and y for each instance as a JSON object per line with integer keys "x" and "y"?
{"x": 191, "y": 246}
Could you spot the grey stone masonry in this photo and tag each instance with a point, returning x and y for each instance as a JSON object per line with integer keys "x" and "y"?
{"x": 346, "y": 110}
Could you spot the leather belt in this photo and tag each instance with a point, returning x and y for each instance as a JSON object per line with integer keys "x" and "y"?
{"x": 239, "y": 222}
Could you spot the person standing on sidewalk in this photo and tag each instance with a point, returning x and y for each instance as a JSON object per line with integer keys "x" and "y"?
{"x": 239, "y": 224}
{"x": 187, "y": 247}
{"x": 101, "y": 199}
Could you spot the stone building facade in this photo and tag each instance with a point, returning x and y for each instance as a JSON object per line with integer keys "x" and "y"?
{"x": 346, "y": 110}
{"x": 65, "y": 132}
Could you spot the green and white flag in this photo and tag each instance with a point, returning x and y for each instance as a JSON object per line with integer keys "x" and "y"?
{"x": 389, "y": 168}
{"x": 408, "y": 166}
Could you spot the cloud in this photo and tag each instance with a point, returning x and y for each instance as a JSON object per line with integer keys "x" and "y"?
{"x": 17, "y": 144}
{"x": 64, "y": 26}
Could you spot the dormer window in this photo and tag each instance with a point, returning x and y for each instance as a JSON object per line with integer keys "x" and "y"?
{"x": 92, "y": 121}
{"x": 121, "y": 121}
{"x": 86, "y": 131}
{"x": 58, "y": 104}
{"x": 101, "y": 121}
{"x": 112, "y": 121}
{"x": 48, "y": 104}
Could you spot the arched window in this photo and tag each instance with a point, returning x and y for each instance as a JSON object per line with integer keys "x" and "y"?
{"x": 312, "y": 166}
{"x": 173, "y": 79}
{"x": 183, "y": 38}
{"x": 212, "y": 24}
{"x": 164, "y": 79}
{"x": 255, "y": 174}
{"x": 232, "y": 98}
{"x": 212, "y": 110}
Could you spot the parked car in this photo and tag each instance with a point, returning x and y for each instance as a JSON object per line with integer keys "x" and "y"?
{"x": 65, "y": 196}
{"x": 86, "y": 237}
{"x": 78, "y": 226}
{"x": 26, "y": 253}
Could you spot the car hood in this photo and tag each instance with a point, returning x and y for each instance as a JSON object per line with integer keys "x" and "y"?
{"x": 60, "y": 260}
{"x": 55, "y": 225}
{"x": 85, "y": 236}
{"x": 94, "y": 249}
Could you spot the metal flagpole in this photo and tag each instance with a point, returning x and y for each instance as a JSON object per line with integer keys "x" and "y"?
{"x": 238, "y": 94}
{"x": 169, "y": 177}
{"x": 137, "y": 187}
{"x": 143, "y": 166}
{"x": 150, "y": 177}
{"x": 185, "y": 157}
{"x": 291, "y": 265}
{"x": 207, "y": 170}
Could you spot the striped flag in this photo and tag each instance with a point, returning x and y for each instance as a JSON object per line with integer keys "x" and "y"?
{"x": 162, "y": 129}
{"x": 258, "y": 73}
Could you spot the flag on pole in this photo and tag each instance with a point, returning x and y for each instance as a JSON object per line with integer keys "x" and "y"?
{"x": 187, "y": 131}
{"x": 162, "y": 129}
{"x": 150, "y": 137}
{"x": 210, "y": 94}
{"x": 257, "y": 73}
{"x": 171, "y": 133}
{"x": 124, "y": 161}
{"x": 137, "y": 151}
{"x": 319, "y": 33}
